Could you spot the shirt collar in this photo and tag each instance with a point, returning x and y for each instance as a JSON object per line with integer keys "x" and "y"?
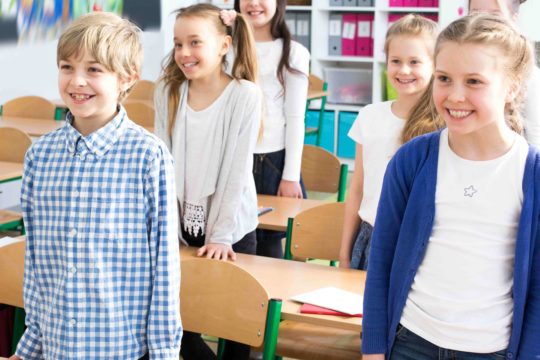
{"x": 98, "y": 142}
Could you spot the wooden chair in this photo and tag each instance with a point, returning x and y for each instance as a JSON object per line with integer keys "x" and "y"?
{"x": 316, "y": 233}
{"x": 322, "y": 171}
{"x": 30, "y": 106}
{"x": 317, "y": 89}
{"x": 13, "y": 146}
{"x": 220, "y": 299}
{"x": 142, "y": 90}
{"x": 140, "y": 112}
{"x": 12, "y": 268}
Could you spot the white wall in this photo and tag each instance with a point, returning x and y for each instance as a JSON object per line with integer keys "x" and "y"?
{"x": 528, "y": 19}
{"x": 31, "y": 69}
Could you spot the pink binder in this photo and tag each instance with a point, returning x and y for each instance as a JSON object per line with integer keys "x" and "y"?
{"x": 364, "y": 34}
{"x": 348, "y": 35}
{"x": 410, "y": 3}
{"x": 425, "y": 3}
{"x": 396, "y": 3}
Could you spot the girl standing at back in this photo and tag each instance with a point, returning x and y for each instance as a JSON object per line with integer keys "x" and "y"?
{"x": 454, "y": 268}
{"x": 381, "y": 128}
{"x": 210, "y": 120}
{"x": 283, "y": 77}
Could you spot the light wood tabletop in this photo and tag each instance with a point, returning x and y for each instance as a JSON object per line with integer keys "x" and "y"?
{"x": 10, "y": 171}
{"x": 284, "y": 279}
{"x": 315, "y": 94}
{"x": 31, "y": 126}
{"x": 283, "y": 209}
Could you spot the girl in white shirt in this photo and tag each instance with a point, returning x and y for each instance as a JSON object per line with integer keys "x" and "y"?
{"x": 283, "y": 77}
{"x": 381, "y": 128}
{"x": 210, "y": 121}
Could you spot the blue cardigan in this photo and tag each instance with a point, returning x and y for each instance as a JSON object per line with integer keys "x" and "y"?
{"x": 404, "y": 223}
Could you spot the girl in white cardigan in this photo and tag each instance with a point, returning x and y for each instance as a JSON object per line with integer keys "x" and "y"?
{"x": 210, "y": 120}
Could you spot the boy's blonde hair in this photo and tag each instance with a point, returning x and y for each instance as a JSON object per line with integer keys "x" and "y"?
{"x": 514, "y": 49}
{"x": 243, "y": 43}
{"x": 420, "y": 120}
{"x": 112, "y": 41}
{"x": 412, "y": 25}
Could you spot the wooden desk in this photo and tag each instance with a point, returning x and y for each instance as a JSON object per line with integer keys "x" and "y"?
{"x": 284, "y": 279}
{"x": 31, "y": 126}
{"x": 10, "y": 171}
{"x": 12, "y": 270}
{"x": 284, "y": 208}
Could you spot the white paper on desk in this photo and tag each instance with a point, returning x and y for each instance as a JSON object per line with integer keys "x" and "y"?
{"x": 333, "y": 298}
{"x": 5, "y": 241}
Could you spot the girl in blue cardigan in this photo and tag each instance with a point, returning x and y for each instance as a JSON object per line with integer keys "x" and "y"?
{"x": 454, "y": 266}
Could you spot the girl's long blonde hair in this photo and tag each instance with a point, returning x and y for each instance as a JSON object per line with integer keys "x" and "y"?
{"x": 515, "y": 50}
{"x": 244, "y": 66}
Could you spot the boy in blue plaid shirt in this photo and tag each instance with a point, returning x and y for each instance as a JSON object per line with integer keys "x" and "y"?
{"x": 102, "y": 273}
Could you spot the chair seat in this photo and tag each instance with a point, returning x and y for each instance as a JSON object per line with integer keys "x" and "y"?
{"x": 9, "y": 218}
{"x": 313, "y": 342}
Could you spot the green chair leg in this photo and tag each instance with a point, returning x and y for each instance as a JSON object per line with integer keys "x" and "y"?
{"x": 18, "y": 328}
{"x": 342, "y": 182}
{"x": 221, "y": 348}
{"x": 272, "y": 328}
{"x": 321, "y": 116}
{"x": 288, "y": 239}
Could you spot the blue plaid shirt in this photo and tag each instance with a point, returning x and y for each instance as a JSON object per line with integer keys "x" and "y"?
{"x": 102, "y": 269}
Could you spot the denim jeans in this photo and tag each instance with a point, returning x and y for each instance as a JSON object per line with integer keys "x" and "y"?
{"x": 409, "y": 346}
{"x": 267, "y": 172}
{"x": 362, "y": 244}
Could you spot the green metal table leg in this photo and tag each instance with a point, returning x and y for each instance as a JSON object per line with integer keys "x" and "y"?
{"x": 288, "y": 239}
{"x": 220, "y": 348}
{"x": 272, "y": 328}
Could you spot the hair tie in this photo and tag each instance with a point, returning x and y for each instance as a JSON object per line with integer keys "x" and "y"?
{"x": 228, "y": 17}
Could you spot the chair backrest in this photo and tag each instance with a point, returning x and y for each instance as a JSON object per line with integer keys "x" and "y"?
{"x": 30, "y": 106}
{"x": 13, "y": 144}
{"x": 321, "y": 170}
{"x": 12, "y": 270}
{"x": 316, "y": 232}
{"x": 140, "y": 112}
{"x": 315, "y": 83}
{"x": 221, "y": 299}
{"x": 142, "y": 90}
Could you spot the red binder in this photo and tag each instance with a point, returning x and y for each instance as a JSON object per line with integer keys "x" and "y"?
{"x": 317, "y": 310}
{"x": 396, "y": 3}
{"x": 364, "y": 34}
{"x": 348, "y": 35}
{"x": 410, "y": 3}
{"x": 426, "y": 3}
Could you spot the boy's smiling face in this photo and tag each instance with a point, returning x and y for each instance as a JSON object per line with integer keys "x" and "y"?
{"x": 90, "y": 91}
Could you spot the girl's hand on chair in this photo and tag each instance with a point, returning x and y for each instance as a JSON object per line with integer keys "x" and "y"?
{"x": 344, "y": 262}
{"x": 290, "y": 189}
{"x": 217, "y": 251}
{"x": 373, "y": 357}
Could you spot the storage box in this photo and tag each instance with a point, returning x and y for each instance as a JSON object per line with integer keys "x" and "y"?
{"x": 346, "y": 146}
{"x": 349, "y": 86}
{"x": 327, "y": 134}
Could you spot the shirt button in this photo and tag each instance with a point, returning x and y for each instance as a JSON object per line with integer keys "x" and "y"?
{"x": 73, "y": 232}
{"x": 72, "y": 322}
{"x": 509, "y": 355}
{"x": 73, "y": 270}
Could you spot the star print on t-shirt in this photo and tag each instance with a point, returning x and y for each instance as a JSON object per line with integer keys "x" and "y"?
{"x": 470, "y": 191}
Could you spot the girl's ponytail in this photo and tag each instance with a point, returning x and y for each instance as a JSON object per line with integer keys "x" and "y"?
{"x": 245, "y": 62}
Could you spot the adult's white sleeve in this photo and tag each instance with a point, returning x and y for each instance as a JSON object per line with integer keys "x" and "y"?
{"x": 296, "y": 87}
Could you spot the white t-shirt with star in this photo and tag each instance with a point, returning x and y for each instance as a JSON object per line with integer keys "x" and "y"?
{"x": 461, "y": 297}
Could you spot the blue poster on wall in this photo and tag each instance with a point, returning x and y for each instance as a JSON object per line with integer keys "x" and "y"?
{"x": 27, "y": 21}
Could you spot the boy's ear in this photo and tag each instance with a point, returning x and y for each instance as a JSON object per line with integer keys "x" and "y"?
{"x": 128, "y": 82}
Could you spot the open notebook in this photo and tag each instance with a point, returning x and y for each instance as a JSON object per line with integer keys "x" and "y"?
{"x": 333, "y": 298}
